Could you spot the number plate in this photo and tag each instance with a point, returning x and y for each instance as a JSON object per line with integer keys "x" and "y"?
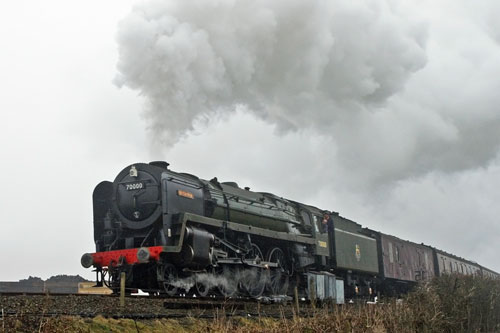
{"x": 134, "y": 186}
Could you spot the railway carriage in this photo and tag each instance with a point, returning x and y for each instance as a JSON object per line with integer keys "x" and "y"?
{"x": 446, "y": 263}
{"x": 402, "y": 263}
{"x": 488, "y": 273}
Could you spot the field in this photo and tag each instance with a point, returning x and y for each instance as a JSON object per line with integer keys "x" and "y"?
{"x": 446, "y": 304}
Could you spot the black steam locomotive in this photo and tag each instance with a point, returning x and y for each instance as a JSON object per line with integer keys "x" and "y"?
{"x": 174, "y": 233}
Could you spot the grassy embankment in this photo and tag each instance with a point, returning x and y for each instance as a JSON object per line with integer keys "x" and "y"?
{"x": 446, "y": 304}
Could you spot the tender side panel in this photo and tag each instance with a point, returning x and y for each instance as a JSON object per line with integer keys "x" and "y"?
{"x": 449, "y": 264}
{"x": 355, "y": 251}
{"x": 404, "y": 260}
{"x": 347, "y": 225}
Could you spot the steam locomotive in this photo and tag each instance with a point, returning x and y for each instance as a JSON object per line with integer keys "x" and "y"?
{"x": 175, "y": 233}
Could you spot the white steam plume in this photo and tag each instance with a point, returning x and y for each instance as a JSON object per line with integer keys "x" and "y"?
{"x": 296, "y": 64}
{"x": 369, "y": 75}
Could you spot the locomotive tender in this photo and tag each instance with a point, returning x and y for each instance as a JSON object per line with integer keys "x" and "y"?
{"x": 174, "y": 233}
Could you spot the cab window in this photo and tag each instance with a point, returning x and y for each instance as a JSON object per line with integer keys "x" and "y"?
{"x": 316, "y": 223}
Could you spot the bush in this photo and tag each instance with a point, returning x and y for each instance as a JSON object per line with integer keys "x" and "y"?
{"x": 446, "y": 304}
{"x": 454, "y": 303}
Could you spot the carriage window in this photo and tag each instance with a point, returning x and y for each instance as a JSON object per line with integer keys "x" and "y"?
{"x": 391, "y": 256}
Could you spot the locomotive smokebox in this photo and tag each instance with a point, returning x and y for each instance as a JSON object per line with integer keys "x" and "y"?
{"x": 137, "y": 195}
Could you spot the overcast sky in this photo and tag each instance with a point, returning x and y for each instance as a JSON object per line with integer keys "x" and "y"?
{"x": 384, "y": 112}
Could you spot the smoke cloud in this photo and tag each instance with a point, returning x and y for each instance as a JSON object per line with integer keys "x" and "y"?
{"x": 362, "y": 75}
{"x": 358, "y": 73}
{"x": 294, "y": 64}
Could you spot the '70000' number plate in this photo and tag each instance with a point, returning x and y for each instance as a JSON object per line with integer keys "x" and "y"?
{"x": 134, "y": 186}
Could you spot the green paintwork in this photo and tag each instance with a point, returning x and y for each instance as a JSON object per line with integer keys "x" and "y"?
{"x": 353, "y": 250}
{"x": 356, "y": 252}
{"x": 185, "y": 218}
{"x": 322, "y": 245}
{"x": 255, "y": 209}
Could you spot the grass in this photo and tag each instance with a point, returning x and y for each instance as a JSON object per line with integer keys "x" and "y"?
{"x": 446, "y": 304}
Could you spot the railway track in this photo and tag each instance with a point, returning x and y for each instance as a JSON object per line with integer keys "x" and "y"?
{"x": 17, "y": 293}
{"x": 145, "y": 316}
{"x": 214, "y": 299}
{"x": 19, "y": 305}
